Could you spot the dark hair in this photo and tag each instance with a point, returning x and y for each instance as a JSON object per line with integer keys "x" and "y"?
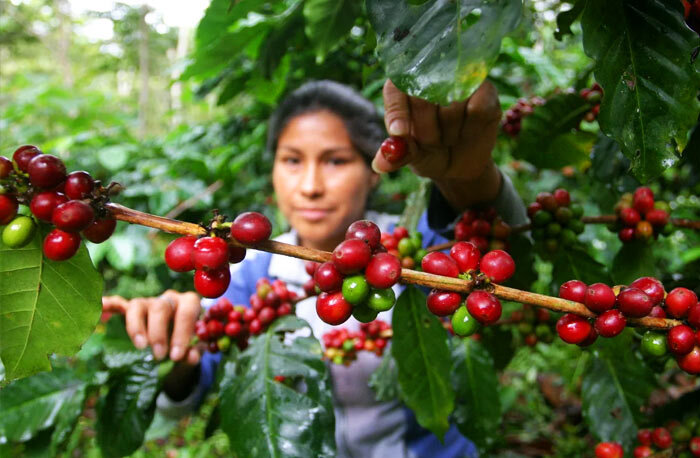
{"x": 360, "y": 116}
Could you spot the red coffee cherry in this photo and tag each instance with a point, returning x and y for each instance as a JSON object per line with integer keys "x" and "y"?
{"x": 366, "y": 231}
{"x": 212, "y": 283}
{"x": 400, "y": 232}
{"x": 609, "y": 450}
{"x": 573, "y": 290}
{"x": 694, "y": 444}
{"x": 5, "y": 167}
{"x": 23, "y": 155}
{"x": 652, "y": 287}
{"x": 466, "y": 255}
{"x": 8, "y": 209}
{"x": 215, "y": 329}
{"x": 679, "y": 301}
{"x": 249, "y": 315}
{"x": 643, "y": 451}
{"x": 644, "y": 436}
{"x": 267, "y": 315}
{"x": 310, "y": 267}
{"x": 626, "y": 235}
{"x": 643, "y": 200}
{"x": 394, "y": 149}
{"x": 562, "y": 197}
{"x": 328, "y": 278}
{"x": 351, "y": 256}
{"x": 657, "y": 217}
{"x": 60, "y": 245}
{"x": 690, "y": 362}
{"x": 332, "y": 308}
{"x": 233, "y": 328}
{"x": 599, "y": 297}
{"x": 210, "y": 253}
{"x": 484, "y": 307}
{"x": 694, "y": 316}
{"x": 178, "y": 254}
{"x": 383, "y": 271}
{"x": 236, "y": 254}
{"x": 73, "y": 216}
{"x": 681, "y": 339}
{"x": 44, "y": 203}
{"x": 46, "y": 171}
{"x": 497, "y": 265}
{"x": 661, "y": 438}
{"x": 547, "y": 200}
{"x": 100, "y": 230}
{"x": 630, "y": 217}
{"x": 443, "y": 303}
{"x": 634, "y": 302}
{"x": 79, "y": 185}
{"x": 533, "y": 208}
{"x": 610, "y": 323}
{"x": 590, "y": 339}
{"x": 285, "y": 308}
{"x": 251, "y": 228}
{"x": 439, "y": 263}
{"x": 573, "y": 329}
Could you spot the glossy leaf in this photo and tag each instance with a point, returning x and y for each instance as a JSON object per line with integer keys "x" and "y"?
{"x": 642, "y": 50}
{"x": 424, "y": 371}
{"x": 46, "y": 307}
{"x": 576, "y": 263}
{"x": 477, "y": 406}
{"x": 265, "y": 417}
{"x": 634, "y": 260}
{"x": 328, "y": 21}
{"x": 441, "y": 50}
{"x": 566, "y": 18}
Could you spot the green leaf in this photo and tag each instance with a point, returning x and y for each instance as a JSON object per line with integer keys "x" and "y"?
{"x": 642, "y": 52}
{"x": 419, "y": 347}
{"x": 126, "y": 412}
{"x": 263, "y": 417}
{"x": 118, "y": 350}
{"x": 566, "y": 18}
{"x": 328, "y": 21}
{"x": 416, "y": 203}
{"x": 477, "y": 406}
{"x": 45, "y": 307}
{"x": 576, "y": 263}
{"x": 615, "y": 387}
{"x": 634, "y": 260}
{"x": 548, "y": 137}
{"x": 384, "y": 380}
{"x": 441, "y": 50}
{"x": 39, "y": 402}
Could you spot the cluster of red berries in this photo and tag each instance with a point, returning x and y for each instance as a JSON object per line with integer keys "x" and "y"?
{"x": 223, "y": 323}
{"x": 483, "y": 228}
{"x": 556, "y": 221}
{"x": 683, "y": 437}
{"x": 210, "y": 256}
{"x": 342, "y": 345}
{"x": 465, "y": 260}
{"x": 512, "y": 122}
{"x": 643, "y": 297}
{"x": 609, "y": 450}
{"x": 394, "y": 149}
{"x": 72, "y": 202}
{"x": 407, "y": 247}
{"x": 358, "y": 279}
{"x": 593, "y": 95}
{"x": 534, "y": 323}
{"x": 640, "y": 217}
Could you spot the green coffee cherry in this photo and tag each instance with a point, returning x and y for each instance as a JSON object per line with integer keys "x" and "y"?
{"x": 364, "y": 314}
{"x": 567, "y": 237}
{"x": 19, "y": 232}
{"x": 576, "y": 210}
{"x": 553, "y": 229}
{"x": 541, "y": 218}
{"x": 406, "y": 247}
{"x": 418, "y": 257}
{"x": 563, "y": 215}
{"x": 381, "y": 300}
{"x": 224, "y": 344}
{"x": 654, "y": 344}
{"x": 355, "y": 289}
{"x": 463, "y": 324}
{"x": 348, "y": 345}
{"x": 577, "y": 226}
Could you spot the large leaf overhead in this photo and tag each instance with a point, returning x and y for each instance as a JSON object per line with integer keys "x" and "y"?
{"x": 441, "y": 50}
{"x": 328, "y": 21}
{"x": 265, "y": 417}
{"x": 642, "y": 51}
{"x": 45, "y": 307}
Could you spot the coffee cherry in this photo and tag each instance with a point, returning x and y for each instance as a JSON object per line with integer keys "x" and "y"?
{"x": 332, "y": 308}
{"x": 400, "y": 232}
{"x": 310, "y": 267}
{"x": 267, "y": 315}
{"x": 694, "y": 446}
{"x": 60, "y": 245}
{"x": 23, "y": 155}
{"x": 654, "y": 344}
{"x": 652, "y": 287}
{"x": 463, "y": 324}
{"x": 630, "y": 217}
{"x": 533, "y": 208}
{"x": 547, "y": 201}
{"x": 443, "y": 303}
{"x": 19, "y": 232}
{"x": 285, "y": 308}
{"x": 599, "y": 297}
{"x": 626, "y": 235}
{"x": 394, "y": 149}
{"x": 5, "y": 167}
{"x": 215, "y": 329}
{"x": 236, "y": 254}
{"x": 484, "y": 306}
{"x": 657, "y": 312}
{"x": 694, "y": 316}
{"x": 573, "y": 329}
{"x": 328, "y": 278}
{"x": 681, "y": 339}
{"x": 643, "y": 200}
{"x": 661, "y": 437}
{"x": 439, "y": 263}
{"x": 8, "y": 209}
{"x": 634, "y": 302}
{"x": 366, "y": 231}
{"x": 644, "y": 230}
{"x": 562, "y": 197}
{"x": 383, "y": 270}
{"x": 381, "y": 300}
{"x": 609, "y": 450}
{"x": 355, "y": 289}
{"x": 44, "y": 203}
{"x": 79, "y": 185}
{"x": 679, "y": 301}
{"x": 590, "y": 339}
{"x": 657, "y": 217}
{"x": 212, "y": 283}
{"x": 364, "y": 314}
{"x": 573, "y": 290}
{"x": 690, "y": 362}
{"x": 73, "y": 216}
{"x": 610, "y": 323}
{"x": 46, "y": 171}
{"x": 466, "y": 255}
{"x": 351, "y": 256}
{"x": 249, "y": 315}
{"x": 251, "y": 228}
{"x": 100, "y": 230}
{"x": 210, "y": 253}
{"x": 178, "y": 254}
{"x": 644, "y": 436}
{"x": 497, "y": 265}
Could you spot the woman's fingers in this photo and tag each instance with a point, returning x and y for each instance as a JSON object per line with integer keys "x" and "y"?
{"x": 451, "y": 120}
{"x": 186, "y": 313}
{"x": 424, "y": 122}
{"x": 160, "y": 312}
{"x": 397, "y": 112}
{"x": 136, "y": 322}
{"x": 114, "y": 304}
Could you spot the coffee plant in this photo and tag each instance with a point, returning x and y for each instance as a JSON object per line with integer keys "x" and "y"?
{"x": 620, "y": 149}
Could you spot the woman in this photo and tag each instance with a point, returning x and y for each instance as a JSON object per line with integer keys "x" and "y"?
{"x": 325, "y": 139}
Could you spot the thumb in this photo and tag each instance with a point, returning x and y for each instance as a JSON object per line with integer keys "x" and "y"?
{"x": 397, "y": 111}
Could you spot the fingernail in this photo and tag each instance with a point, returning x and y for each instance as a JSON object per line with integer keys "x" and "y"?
{"x": 140, "y": 341}
{"x": 374, "y": 166}
{"x": 176, "y": 353}
{"x": 398, "y": 127}
{"x": 159, "y": 351}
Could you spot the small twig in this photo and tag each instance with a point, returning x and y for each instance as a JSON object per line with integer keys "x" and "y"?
{"x": 191, "y": 201}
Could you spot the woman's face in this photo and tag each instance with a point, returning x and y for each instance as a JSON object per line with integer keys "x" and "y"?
{"x": 320, "y": 179}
